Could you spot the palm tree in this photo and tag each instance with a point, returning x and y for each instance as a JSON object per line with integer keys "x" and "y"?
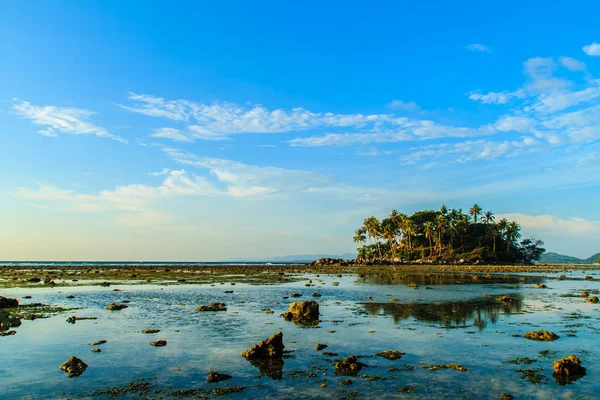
{"x": 475, "y": 212}
{"x": 429, "y": 227}
{"x": 494, "y": 231}
{"x": 373, "y": 228}
{"x": 359, "y": 235}
{"x": 409, "y": 231}
{"x": 488, "y": 218}
{"x": 441, "y": 222}
{"x": 512, "y": 234}
{"x": 388, "y": 232}
{"x": 443, "y": 209}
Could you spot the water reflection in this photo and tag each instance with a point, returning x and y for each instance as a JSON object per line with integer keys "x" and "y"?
{"x": 273, "y": 368}
{"x": 398, "y": 278}
{"x": 477, "y": 312}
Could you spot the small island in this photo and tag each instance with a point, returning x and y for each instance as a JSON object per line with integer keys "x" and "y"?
{"x": 444, "y": 236}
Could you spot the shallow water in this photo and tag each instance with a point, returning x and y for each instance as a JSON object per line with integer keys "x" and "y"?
{"x": 447, "y": 319}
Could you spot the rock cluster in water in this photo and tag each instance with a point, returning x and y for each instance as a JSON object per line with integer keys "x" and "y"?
{"x": 115, "y": 307}
{"x": 159, "y": 343}
{"x": 214, "y": 376}
{"x": 303, "y": 312}
{"x": 213, "y": 307}
{"x": 567, "y": 370}
{"x": 6, "y": 302}
{"x": 74, "y": 366}
{"x": 541, "y": 335}
{"x": 268, "y": 348}
{"x": 390, "y": 354}
{"x": 348, "y": 366}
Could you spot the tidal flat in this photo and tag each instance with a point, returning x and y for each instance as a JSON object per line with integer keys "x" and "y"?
{"x": 449, "y": 332}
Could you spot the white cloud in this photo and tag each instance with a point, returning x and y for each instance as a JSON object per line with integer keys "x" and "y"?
{"x": 572, "y": 64}
{"x": 496, "y": 97}
{"x": 218, "y": 120}
{"x": 407, "y": 129}
{"x": 592, "y": 49}
{"x": 479, "y": 48}
{"x": 472, "y": 151}
{"x": 551, "y": 223}
{"x": 402, "y": 105}
{"x": 374, "y": 151}
{"x": 171, "y": 133}
{"x": 132, "y": 203}
{"x": 248, "y": 180}
{"x": 558, "y": 100}
{"x": 510, "y": 123}
{"x": 65, "y": 120}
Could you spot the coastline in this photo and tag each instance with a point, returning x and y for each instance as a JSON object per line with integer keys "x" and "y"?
{"x": 57, "y": 275}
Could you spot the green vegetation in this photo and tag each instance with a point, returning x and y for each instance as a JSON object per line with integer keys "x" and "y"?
{"x": 448, "y": 235}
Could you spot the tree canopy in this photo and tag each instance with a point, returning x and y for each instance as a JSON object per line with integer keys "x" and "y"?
{"x": 445, "y": 234}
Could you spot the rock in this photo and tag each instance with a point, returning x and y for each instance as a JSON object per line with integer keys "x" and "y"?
{"x": 70, "y": 296}
{"x": 229, "y": 291}
{"x": 320, "y": 346}
{"x": 335, "y": 283}
{"x": 27, "y": 297}
{"x": 115, "y": 307}
{"x": 151, "y": 331}
{"x": 34, "y": 280}
{"x": 213, "y": 307}
{"x": 348, "y": 366}
{"x": 96, "y": 350}
{"x": 105, "y": 284}
{"x": 295, "y": 295}
{"x": 6, "y": 302}
{"x": 214, "y": 376}
{"x": 505, "y": 299}
{"x": 159, "y": 343}
{"x": 97, "y": 343}
{"x": 506, "y": 396}
{"x": 7, "y": 321}
{"x": 540, "y": 286}
{"x": 390, "y": 354}
{"x": 268, "y": 348}
{"x": 74, "y": 366}
{"x": 542, "y": 336}
{"x": 303, "y": 312}
{"x": 315, "y": 294}
{"x": 567, "y": 370}
{"x": 592, "y": 299}
{"x": 584, "y": 294}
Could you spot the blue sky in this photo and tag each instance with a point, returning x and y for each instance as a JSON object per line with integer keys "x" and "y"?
{"x": 206, "y": 131}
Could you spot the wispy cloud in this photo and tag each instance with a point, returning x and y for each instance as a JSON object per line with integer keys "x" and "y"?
{"x": 477, "y": 47}
{"x": 131, "y": 203}
{"x": 572, "y": 64}
{"x": 65, "y": 120}
{"x": 496, "y": 97}
{"x": 374, "y": 151}
{"x": 592, "y": 49}
{"x": 241, "y": 180}
{"x": 216, "y": 121}
{"x": 404, "y": 105}
{"x": 551, "y": 223}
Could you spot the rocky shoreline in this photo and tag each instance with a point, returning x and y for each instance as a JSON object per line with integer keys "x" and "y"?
{"x": 68, "y": 275}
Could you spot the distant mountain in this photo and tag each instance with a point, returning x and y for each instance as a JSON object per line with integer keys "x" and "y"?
{"x": 295, "y": 258}
{"x": 594, "y": 258}
{"x": 554, "y": 258}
